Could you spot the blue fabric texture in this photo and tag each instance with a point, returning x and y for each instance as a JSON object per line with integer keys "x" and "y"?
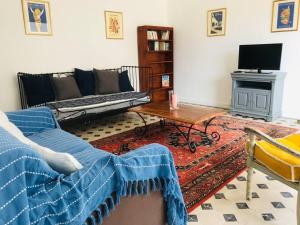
{"x": 31, "y": 121}
{"x": 32, "y": 193}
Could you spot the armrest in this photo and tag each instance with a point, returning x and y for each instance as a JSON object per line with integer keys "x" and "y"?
{"x": 267, "y": 138}
{"x": 33, "y": 120}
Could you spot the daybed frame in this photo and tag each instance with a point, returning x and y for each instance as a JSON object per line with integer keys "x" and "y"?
{"x": 134, "y": 73}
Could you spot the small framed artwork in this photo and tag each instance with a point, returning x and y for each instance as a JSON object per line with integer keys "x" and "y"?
{"x": 285, "y": 15}
{"x": 37, "y": 18}
{"x": 216, "y": 22}
{"x": 114, "y": 25}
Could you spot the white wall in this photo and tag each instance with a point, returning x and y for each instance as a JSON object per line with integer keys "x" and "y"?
{"x": 78, "y": 39}
{"x": 203, "y": 64}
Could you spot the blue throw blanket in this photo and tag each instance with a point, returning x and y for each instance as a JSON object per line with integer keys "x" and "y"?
{"x": 32, "y": 193}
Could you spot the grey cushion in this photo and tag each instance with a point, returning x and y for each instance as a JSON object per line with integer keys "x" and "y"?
{"x": 107, "y": 81}
{"x": 65, "y": 88}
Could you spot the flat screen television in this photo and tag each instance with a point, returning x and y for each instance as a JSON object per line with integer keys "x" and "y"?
{"x": 260, "y": 57}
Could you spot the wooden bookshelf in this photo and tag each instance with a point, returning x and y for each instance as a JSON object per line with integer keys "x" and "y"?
{"x": 155, "y": 49}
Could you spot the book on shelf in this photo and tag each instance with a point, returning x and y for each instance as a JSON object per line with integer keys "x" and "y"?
{"x": 152, "y": 35}
{"x": 165, "y": 35}
{"x": 156, "y": 46}
{"x": 165, "y": 80}
{"x": 163, "y": 46}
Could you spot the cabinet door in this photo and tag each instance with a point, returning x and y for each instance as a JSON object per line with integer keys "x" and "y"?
{"x": 242, "y": 99}
{"x": 261, "y": 101}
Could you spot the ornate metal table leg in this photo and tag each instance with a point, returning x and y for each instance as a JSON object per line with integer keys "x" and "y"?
{"x": 214, "y": 135}
{"x": 139, "y": 131}
{"x": 145, "y": 128}
{"x": 192, "y": 145}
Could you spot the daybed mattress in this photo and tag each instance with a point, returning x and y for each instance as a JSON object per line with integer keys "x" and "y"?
{"x": 96, "y": 104}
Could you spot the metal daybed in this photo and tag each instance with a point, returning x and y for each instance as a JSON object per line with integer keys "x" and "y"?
{"x": 95, "y": 104}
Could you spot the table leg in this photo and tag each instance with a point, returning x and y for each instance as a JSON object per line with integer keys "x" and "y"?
{"x": 145, "y": 128}
{"x": 191, "y": 144}
{"x": 214, "y": 135}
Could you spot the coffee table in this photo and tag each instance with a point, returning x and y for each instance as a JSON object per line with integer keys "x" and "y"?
{"x": 186, "y": 116}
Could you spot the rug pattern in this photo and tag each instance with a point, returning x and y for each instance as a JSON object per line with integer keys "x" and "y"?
{"x": 203, "y": 173}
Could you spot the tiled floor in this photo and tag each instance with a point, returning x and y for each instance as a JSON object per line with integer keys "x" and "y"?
{"x": 272, "y": 203}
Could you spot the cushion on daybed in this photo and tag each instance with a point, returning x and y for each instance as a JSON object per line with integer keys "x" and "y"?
{"x": 61, "y": 162}
{"x": 85, "y": 81}
{"x": 65, "y": 88}
{"x": 107, "y": 81}
{"x": 38, "y": 88}
{"x": 124, "y": 82}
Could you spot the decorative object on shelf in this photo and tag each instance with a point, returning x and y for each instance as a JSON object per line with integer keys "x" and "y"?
{"x": 165, "y": 81}
{"x": 37, "y": 18}
{"x": 173, "y": 100}
{"x": 285, "y": 15}
{"x": 114, "y": 25}
{"x": 216, "y": 22}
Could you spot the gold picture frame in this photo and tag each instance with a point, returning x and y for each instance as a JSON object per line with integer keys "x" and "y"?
{"x": 216, "y": 22}
{"x": 37, "y": 17}
{"x": 285, "y": 15}
{"x": 114, "y": 25}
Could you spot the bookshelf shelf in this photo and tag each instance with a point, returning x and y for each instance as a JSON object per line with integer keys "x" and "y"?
{"x": 160, "y": 40}
{"x": 161, "y": 74}
{"x": 155, "y": 48}
{"x": 159, "y": 51}
{"x": 161, "y": 62}
{"x": 162, "y": 89}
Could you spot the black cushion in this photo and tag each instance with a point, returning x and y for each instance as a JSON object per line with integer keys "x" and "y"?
{"x": 107, "y": 81}
{"x": 85, "y": 81}
{"x": 65, "y": 88}
{"x": 38, "y": 89}
{"x": 124, "y": 82}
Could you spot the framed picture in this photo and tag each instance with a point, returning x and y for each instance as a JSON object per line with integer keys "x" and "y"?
{"x": 37, "y": 18}
{"x": 216, "y": 22}
{"x": 285, "y": 15}
{"x": 114, "y": 25}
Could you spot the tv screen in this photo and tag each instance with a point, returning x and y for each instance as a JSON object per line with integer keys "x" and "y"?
{"x": 260, "y": 57}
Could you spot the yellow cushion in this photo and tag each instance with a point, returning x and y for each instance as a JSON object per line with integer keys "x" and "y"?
{"x": 282, "y": 163}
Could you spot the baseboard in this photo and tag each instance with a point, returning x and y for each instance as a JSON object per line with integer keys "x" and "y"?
{"x": 217, "y": 105}
{"x": 292, "y": 115}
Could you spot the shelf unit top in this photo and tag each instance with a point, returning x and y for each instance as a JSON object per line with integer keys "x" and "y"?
{"x": 156, "y": 27}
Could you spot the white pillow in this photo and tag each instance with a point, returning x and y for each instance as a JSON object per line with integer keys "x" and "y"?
{"x": 61, "y": 162}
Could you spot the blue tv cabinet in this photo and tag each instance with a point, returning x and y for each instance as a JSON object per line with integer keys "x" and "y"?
{"x": 257, "y": 95}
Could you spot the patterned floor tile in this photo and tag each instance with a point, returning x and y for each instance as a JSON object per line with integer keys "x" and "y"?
{"x": 231, "y": 186}
{"x": 192, "y": 218}
{"x": 206, "y": 206}
{"x": 262, "y": 186}
{"x": 278, "y": 205}
{"x": 268, "y": 216}
{"x": 241, "y": 178}
{"x": 219, "y": 196}
{"x": 286, "y": 194}
{"x": 242, "y": 205}
{"x": 255, "y": 195}
{"x": 230, "y": 218}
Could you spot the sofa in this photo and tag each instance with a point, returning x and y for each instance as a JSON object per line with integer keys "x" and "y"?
{"x": 85, "y": 92}
{"x": 109, "y": 189}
